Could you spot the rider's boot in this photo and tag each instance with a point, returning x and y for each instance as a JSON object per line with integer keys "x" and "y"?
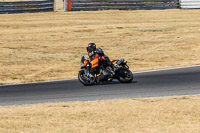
{"x": 99, "y": 77}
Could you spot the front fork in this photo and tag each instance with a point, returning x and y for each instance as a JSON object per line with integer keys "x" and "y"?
{"x": 88, "y": 73}
{"x": 87, "y": 70}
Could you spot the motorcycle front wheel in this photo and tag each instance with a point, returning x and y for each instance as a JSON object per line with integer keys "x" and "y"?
{"x": 84, "y": 79}
{"x": 125, "y": 75}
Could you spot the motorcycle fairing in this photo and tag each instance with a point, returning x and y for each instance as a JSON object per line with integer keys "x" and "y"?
{"x": 114, "y": 62}
{"x": 95, "y": 63}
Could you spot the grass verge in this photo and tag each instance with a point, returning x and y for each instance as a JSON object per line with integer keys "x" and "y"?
{"x": 140, "y": 115}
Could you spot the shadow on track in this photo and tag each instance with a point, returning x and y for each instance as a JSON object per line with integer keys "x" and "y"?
{"x": 115, "y": 83}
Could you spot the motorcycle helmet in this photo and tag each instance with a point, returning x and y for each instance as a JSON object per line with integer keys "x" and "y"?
{"x": 91, "y": 47}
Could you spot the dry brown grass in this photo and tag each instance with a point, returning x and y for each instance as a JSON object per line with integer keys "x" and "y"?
{"x": 48, "y": 46}
{"x": 154, "y": 115}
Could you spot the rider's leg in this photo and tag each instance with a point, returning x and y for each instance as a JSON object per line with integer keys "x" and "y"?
{"x": 100, "y": 75}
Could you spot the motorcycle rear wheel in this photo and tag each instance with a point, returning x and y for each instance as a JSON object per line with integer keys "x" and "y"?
{"x": 83, "y": 80}
{"x": 125, "y": 75}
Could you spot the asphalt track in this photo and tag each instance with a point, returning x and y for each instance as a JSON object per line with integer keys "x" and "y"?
{"x": 159, "y": 83}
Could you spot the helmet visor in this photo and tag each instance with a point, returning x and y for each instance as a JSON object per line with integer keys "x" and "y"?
{"x": 88, "y": 50}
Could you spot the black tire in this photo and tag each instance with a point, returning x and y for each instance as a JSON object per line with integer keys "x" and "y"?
{"x": 83, "y": 80}
{"x": 125, "y": 75}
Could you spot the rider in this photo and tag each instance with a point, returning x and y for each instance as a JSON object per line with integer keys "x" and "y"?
{"x": 94, "y": 53}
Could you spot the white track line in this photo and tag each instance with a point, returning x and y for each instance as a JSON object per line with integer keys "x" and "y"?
{"x": 75, "y": 79}
{"x": 51, "y": 81}
{"x": 167, "y": 69}
{"x": 171, "y": 96}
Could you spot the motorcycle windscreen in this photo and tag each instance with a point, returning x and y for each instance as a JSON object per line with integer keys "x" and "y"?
{"x": 83, "y": 62}
{"x": 95, "y": 63}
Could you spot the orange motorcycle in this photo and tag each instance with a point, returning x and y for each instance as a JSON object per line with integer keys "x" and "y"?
{"x": 117, "y": 70}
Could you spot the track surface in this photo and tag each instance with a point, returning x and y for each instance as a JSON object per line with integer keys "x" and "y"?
{"x": 177, "y": 81}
